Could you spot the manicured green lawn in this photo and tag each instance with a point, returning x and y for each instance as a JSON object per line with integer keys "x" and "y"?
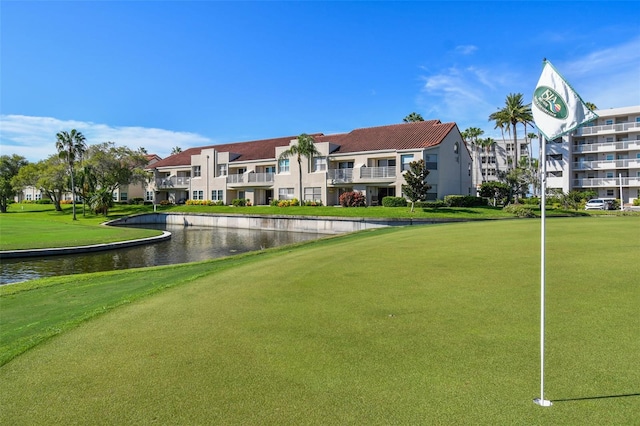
{"x": 420, "y": 325}
{"x": 39, "y": 226}
{"x": 28, "y": 226}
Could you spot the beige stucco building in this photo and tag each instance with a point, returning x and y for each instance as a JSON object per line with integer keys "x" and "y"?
{"x": 369, "y": 160}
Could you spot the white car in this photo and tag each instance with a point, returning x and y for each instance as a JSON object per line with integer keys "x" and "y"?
{"x": 597, "y": 204}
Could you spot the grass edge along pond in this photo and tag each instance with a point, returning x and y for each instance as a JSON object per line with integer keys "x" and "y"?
{"x": 433, "y": 324}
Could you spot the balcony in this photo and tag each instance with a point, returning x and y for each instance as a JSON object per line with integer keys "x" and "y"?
{"x": 361, "y": 175}
{"x": 378, "y": 173}
{"x": 607, "y": 128}
{"x": 173, "y": 182}
{"x": 251, "y": 179}
{"x": 605, "y": 182}
{"x": 607, "y": 146}
{"x": 607, "y": 164}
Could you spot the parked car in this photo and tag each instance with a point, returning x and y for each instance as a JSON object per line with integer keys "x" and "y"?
{"x": 597, "y": 204}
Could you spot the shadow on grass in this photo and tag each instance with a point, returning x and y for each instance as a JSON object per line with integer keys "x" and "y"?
{"x": 588, "y": 398}
{"x": 450, "y": 210}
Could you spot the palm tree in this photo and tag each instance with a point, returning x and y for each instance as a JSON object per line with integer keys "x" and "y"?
{"x": 71, "y": 146}
{"x": 530, "y": 137}
{"x": 413, "y": 117}
{"x": 514, "y": 112}
{"x": 470, "y": 136}
{"x": 305, "y": 146}
{"x": 591, "y": 106}
{"x": 176, "y": 150}
{"x": 487, "y": 144}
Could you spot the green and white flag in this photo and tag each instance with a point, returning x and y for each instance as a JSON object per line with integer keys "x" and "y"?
{"x": 557, "y": 109}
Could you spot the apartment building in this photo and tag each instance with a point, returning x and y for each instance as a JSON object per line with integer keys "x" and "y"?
{"x": 603, "y": 156}
{"x": 488, "y": 161}
{"x": 369, "y": 160}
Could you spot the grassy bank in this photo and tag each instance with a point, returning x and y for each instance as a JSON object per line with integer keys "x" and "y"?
{"x": 434, "y": 324}
{"x": 29, "y": 226}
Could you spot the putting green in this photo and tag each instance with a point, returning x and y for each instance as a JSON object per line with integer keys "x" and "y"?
{"x": 420, "y": 325}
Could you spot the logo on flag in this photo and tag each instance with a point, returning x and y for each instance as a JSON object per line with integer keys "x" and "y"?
{"x": 550, "y": 102}
{"x": 557, "y": 109}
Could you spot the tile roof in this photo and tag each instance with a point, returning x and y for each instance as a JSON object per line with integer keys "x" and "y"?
{"x": 421, "y": 134}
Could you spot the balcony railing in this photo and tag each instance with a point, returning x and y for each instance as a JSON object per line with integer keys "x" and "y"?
{"x": 607, "y": 128}
{"x": 607, "y": 146}
{"x": 340, "y": 175}
{"x": 377, "y": 172}
{"x": 361, "y": 174}
{"x": 251, "y": 179}
{"x": 606, "y": 182}
{"x": 607, "y": 164}
{"x": 173, "y": 182}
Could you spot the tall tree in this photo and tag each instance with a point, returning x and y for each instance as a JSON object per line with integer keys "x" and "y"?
{"x": 591, "y": 106}
{"x": 487, "y": 144}
{"x": 304, "y": 147}
{"x": 470, "y": 137}
{"x": 71, "y": 145}
{"x": 113, "y": 166}
{"x": 514, "y": 112}
{"x": 10, "y": 166}
{"x": 49, "y": 176}
{"x": 176, "y": 150}
{"x": 412, "y": 118}
{"x": 530, "y": 137}
{"x": 416, "y": 187}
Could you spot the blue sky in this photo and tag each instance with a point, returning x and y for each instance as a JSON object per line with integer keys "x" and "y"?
{"x": 164, "y": 74}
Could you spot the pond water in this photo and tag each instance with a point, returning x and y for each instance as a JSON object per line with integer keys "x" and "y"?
{"x": 187, "y": 244}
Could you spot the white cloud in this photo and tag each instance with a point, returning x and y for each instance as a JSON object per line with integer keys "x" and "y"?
{"x": 466, "y": 49}
{"x": 34, "y": 137}
{"x": 609, "y": 77}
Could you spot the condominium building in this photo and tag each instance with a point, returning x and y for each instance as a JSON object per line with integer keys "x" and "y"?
{"x": 603, "y": 156}
{"x": 369, "y": 160}
{"x": 488, "y": 161}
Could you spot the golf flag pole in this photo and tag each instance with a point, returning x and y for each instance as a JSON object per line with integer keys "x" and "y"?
{"x": 557, "y": 110}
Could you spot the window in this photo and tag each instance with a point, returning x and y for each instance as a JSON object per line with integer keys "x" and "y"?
{"x": 148, "y": 196}
{"x": 609, "y": 157}
{"x": 285, "y": 194}
{"x": 608, "y": 122}
{"x": 313, "y": 193}
{"x": 405, "y": 160}
{"x": 216, "y": 195}
{"x": 319, "y": 164}
{"x": 38, "y": 196}
{"x": 609, "y": 175}
{"x": 345, "y": 165}
{"x": 123, "y": 196}
{"x": 28, "y": 197}
{"x": 387, "y": 162}
{"x": 222, "y": 169}
{"x": 198, "y": 195}
{"x": 197, "y": 172}
{"x": 283, "y": 165}
{"x": 270, "y": 169}
{"x": 610, "y": 193}
{"x": 114, "y": 196}
{"x": 610, "y": 139}
{"x": 555, "y": 157}
{"x": 431, "y": 161}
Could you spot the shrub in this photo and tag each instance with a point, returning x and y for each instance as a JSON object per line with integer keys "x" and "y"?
{"x": 394, "y": 202}
{"x": 239, "y": 202}
{"x": 286, "y": 203}
{"x": 520, "y": 210}
{"x": 313, "y": 203}
{"x": 431, "y": 204}
{"x": 137, "y": 200}
{"x": 636, "y": 202}
{"x": 353, "y": 199}
{"x": 165, "y": 203}
{"x": 464, "y": 201}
